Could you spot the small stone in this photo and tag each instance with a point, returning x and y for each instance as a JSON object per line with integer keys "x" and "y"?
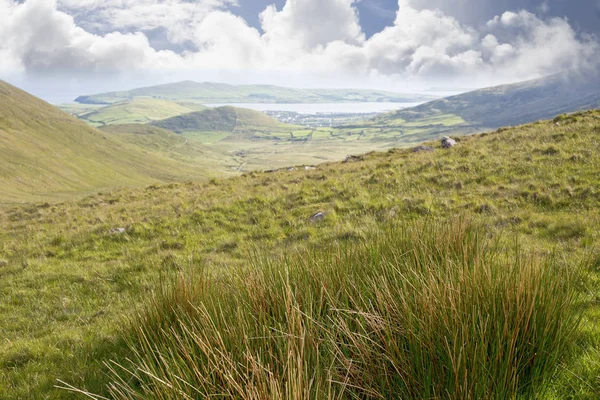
{"x": 116, "y": 231}
{"x": 318, "y": 217}
{"x": 448, "y": 142}
{"x": 350, "y": 159}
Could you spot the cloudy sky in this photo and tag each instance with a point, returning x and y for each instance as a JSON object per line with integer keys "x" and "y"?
{"x": 62, "y": 48}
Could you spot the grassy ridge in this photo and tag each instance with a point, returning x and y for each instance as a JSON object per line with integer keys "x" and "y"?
{"x": 68, "y": 279}
{"x": 419, "y": 311}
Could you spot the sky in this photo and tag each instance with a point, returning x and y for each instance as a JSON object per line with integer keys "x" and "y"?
{"x": 59, "y": 49}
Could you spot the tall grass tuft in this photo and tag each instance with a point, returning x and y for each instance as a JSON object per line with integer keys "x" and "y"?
{"x": 420, "y": 311}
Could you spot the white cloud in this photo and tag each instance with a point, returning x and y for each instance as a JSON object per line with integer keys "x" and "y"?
{"x": 307, "y": 24}
{"x": 178, "y": 17}
{"x": 43, "y": 39}
{"x": 319, "y": 36}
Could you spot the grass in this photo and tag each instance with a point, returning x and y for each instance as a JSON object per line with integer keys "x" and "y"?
{"x": 415, "y": 311}
{"x": 68, "y": 282}
{"x": 154, "y": 140}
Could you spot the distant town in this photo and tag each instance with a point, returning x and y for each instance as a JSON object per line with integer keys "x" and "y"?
{"x": 319, "y": 119}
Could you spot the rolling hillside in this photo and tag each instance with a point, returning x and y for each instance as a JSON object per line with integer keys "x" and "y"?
{"x": 249, "y": 260}
{"x": 47, "y": 154}
{"x": 209, "y": 93}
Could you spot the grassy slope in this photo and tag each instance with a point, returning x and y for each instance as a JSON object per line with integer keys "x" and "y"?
{"x": 136, "y": 111}
{"x": 223, "y": 93}
{"x": 170, "y": 145}
{"x": 66, "y": 281}
{"x": 46, "y": 154}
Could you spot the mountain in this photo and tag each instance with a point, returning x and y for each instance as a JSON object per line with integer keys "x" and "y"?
{"x": 209, "y": 93}
{"x": 47, "y": 153}
{"x": 138, "y": 110}
{"x": 510, "y": 104}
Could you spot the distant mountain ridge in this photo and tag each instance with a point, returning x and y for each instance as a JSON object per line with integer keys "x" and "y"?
{"x": 211, "y": 93}
{"x": 512, "y": 104}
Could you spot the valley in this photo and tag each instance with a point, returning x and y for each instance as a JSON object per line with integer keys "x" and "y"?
{"x": 249, "y": 140}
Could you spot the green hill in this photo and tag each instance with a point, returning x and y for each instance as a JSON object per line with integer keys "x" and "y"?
{"x": 209, "y": 93}
{"x": 222, "y": 119}
{"x": 48, "y": 154}
{"x": 447, "y": 271}
{"x": 135, "y": 111}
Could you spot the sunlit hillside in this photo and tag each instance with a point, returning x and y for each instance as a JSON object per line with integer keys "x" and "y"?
{"x": 503, "y": 221}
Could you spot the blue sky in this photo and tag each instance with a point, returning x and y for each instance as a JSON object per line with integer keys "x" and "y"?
{"x": 79, "y": 46}
{"x": 584, "y": 15}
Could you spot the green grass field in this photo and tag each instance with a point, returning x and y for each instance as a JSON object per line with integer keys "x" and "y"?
{"x": 467, "y": 273}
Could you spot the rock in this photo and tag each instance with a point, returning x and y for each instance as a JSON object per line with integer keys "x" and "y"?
{"x": 292, "y": 169}
{"x": 309, "y": 168}
{"x": 448, "y": 142}
{"x": 116, "y": 231}
{"x": 420, "y": 149}
{"x": 318, "y": 217}
{"x": 350, "y": 159}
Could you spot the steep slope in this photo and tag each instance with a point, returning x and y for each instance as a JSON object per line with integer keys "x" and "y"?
{"x": 46, "y": 153}
{"x": 138, "y": 110}
{"x": 511, "y": 104}
{"x": 222, "y": 93}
